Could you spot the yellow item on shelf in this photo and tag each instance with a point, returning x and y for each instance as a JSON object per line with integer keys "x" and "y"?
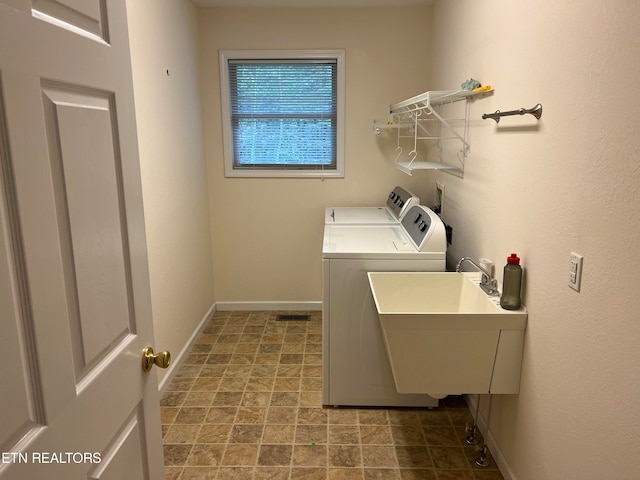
{"x": 482, "y": 89}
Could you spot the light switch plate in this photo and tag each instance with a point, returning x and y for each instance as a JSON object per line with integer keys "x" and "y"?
{"x": 575, "y": 271}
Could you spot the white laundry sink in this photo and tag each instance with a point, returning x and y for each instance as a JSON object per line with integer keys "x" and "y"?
{"x": 444, "y": 335}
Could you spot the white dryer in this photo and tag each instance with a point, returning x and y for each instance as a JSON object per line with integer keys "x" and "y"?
{"x": 356, "y": 369}
{"x": 398, "y": 204}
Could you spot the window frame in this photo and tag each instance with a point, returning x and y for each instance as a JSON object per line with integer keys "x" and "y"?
{"x": 286, "y": 170}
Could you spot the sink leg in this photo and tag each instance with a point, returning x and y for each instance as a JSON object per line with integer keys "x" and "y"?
{"x": 471, "y": 438}
{"x": 482, "y": 460}
{"x": 471, "y": 430}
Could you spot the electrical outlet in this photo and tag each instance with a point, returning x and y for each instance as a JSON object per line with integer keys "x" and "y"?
{"x": 575, "y": 271}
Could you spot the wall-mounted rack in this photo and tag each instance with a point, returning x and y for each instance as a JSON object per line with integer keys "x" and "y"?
{"x": 535, "y": 111}
{"x": 411, "y": 117}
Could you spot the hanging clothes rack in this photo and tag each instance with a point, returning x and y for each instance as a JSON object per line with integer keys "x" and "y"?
{"x": 414, "y": 115}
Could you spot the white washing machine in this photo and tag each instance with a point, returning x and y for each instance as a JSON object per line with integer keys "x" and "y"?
{"x": 399, "y": 202}
{"x": 356, "y": 369}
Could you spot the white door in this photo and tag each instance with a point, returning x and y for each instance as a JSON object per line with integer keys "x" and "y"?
{"x": 75, "y": 311}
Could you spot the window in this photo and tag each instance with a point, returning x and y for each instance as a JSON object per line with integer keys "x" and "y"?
{"x": 283, "y": 113}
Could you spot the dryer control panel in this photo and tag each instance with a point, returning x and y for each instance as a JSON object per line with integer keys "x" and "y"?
{"x": 401, "y": 200}
{"x": 425, "y": 229}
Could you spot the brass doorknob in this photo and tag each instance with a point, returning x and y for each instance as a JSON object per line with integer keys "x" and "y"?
{"x": 161, "y": 359}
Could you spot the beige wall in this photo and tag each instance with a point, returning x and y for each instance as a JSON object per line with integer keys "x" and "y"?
{"x": 274, "y": 254}
{"x": 572, "y": 183}
{"x": 164, "y": 37}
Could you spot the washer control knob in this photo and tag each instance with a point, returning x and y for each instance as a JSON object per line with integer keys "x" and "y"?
{"x": 418, "y": 218}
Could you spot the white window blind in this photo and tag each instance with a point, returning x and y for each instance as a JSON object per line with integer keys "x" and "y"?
{"x": 283, "y": 114}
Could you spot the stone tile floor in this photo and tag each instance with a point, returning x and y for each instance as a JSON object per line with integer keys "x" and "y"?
{"x": 246, "y": 405}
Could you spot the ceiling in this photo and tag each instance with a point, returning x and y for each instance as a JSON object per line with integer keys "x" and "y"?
{"x": 310, "y": 3}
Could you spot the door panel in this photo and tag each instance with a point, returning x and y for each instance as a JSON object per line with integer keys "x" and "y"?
{"x": 74, "y": 286}
{"x": 87, "y": 174}
{"x": 18, "y": 410}
{"x": 81, "y": 16}
{"x": 122, "y": 458}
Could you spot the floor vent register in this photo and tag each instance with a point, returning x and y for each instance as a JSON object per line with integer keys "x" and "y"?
{"x": 293, "y": 317}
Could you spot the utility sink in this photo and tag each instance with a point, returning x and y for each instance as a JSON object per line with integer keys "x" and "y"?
{"x": 444, "y": 335}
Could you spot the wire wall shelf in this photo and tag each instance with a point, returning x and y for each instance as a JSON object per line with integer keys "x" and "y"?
{"x": 421, "y": 118}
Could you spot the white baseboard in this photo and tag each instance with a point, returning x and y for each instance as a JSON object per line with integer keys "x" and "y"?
{"x": 496, "y": 453}
{"x": 178, "y": 360}
{"x": 267, "y": 306}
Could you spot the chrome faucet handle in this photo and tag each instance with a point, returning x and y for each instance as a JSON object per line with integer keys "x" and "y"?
{"x": 491, "y": 290}
{"x": 491, "y": 287}
{"x": 487, "y": 283}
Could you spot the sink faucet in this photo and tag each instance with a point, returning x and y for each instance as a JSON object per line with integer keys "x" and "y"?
{"x": 487, "y": 282}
